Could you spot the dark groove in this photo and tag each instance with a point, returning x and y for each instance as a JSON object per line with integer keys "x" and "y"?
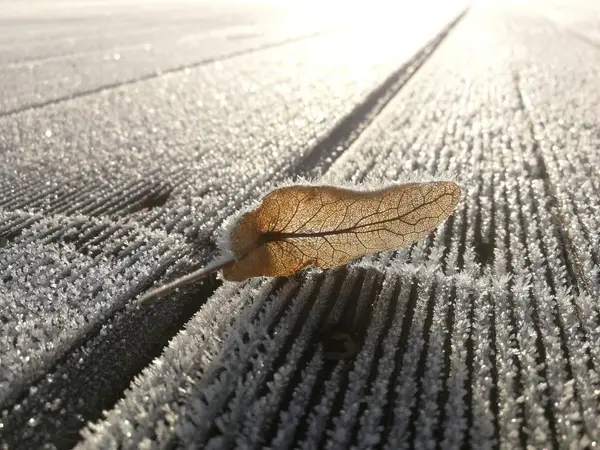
{"x": 556, "y": 316}
{"x": 67, "y": 234}
{"x": 120, "y": 195}
{"x": 540, "y": 353}
{"x": 270, "y": 429}
{"x": 541, "y": 361}
{"x": 460, "y": 261}
{"x": 77, "y": 198}
{"x": 420, "y": 369}
{"x": 428, "y": 243}
{"x": 469, "y": 363}
{"x": 126, "y": 199}
{"x": 355, "y": 321}
{"x": 494, "y": 393}
{"x": 83, "y": 203}
{"x": 444, "y": 394}
{"x": 70, "y": 191}
{"x": 519, "y": 388}
{"x": 547, "y": 272}
{"x": 15, "y": 231}
{"x": 379, "y": 353}
{"x": 569, "y": 254}
{"x": 348, "y": 129}
{"x": 282, "y": 311}
{"x": 328, "y": 365}
{"x": 214, "y": 430}
{"x": 281, "y": 358}
{"x": 447, "y": 242}
{"x": 75, "y": 195}
{"x": 8, "y": 236}
{"x": 87, "y": 198}
{"x": 156, "y": 199}
{"x": 484, "y": 251}
{"x": 541, "y": 356}
{"x": 79, "y": 375}
{"x": 363, "y": 313}
{"x": 160, "y": 73}
{"x": 19, "y": 192}
{"x": 19, "y": 202}
{"x": 388, "y": 421}
{"x": 555, "y": 313}
{"x": 92, "y": 235}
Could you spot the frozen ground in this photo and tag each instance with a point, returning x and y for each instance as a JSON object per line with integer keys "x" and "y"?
{"x": 129, "y": 131}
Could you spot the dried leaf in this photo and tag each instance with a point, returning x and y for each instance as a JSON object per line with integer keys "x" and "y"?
{"x": 299, "y": 226}
{"x": 325, "y": 226}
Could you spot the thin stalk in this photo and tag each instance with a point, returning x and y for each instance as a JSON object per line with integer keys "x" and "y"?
{"x": 182, "y": 281}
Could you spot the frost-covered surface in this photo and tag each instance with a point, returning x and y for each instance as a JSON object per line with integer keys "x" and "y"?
{"x": 483, "y": 335}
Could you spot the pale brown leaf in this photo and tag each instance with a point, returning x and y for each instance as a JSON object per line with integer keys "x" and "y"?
{"x": 298, "y": 226}
{"x": 325, "y": 226}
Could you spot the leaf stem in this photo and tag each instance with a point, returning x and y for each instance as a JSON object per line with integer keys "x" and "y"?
{"x": 181, "y": 281}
